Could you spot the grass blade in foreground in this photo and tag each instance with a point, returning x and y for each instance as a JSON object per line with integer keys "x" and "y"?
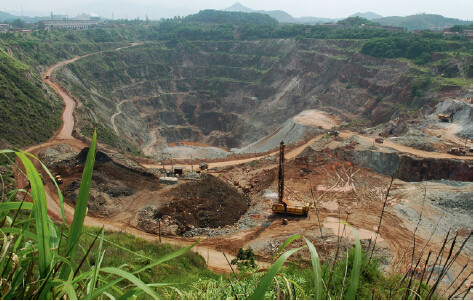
{"x": 82, "y": 199}
{"x": 355, "y": 274}
{"x": 130, "y": 278}
{"x": 167, "y": 257}
{"x": 285, "y": 244}
{"x": 41, "y": 215}
{"x": 60, "y": 195}
{"x": 318, "y": 276}
{"x": 263, "y": 285}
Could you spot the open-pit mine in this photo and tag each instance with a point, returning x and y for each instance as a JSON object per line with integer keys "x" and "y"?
{"x": 208, "y": 118}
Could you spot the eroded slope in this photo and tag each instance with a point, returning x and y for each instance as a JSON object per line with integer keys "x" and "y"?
{"x": 232, "y": 93}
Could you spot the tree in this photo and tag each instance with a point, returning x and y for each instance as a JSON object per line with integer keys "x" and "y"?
{"x": 244, "y": 259}
{"x": 18, "y": 23}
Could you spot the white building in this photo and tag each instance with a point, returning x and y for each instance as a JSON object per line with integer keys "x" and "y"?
{"x": 70, "y": 24}
{"x": 4, "y": 27}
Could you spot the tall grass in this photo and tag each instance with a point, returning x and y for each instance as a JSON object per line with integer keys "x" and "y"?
{"x": 39, "y": 260}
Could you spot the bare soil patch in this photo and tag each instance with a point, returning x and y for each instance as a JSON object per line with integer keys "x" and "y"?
{"x": 209, "y": 202}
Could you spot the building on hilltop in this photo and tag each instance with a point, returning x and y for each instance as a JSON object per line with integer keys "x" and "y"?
{"x": 4, "y": 27}
{"x": 468, "y": 33}
{"x": 70, "y": 24}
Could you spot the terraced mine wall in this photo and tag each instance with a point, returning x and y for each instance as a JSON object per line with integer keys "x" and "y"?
{"x": 233, "y": 93}
{"x": 409, "y": 168}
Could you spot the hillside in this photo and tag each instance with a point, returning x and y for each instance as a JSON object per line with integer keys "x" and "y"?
{"x": 197, "y": 91}
{"x": 25, "y": 104}
{"x": 367, "y": 15}
{"x": 377, "y": 162}
{"x": 225, "y": 17}
{"x": 421, "y": 22}
{"x": 281, "y": 16}
{"x": 254, "y": 89}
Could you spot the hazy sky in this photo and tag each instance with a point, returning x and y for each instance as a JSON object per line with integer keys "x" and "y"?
{"x": 462, "y": 9}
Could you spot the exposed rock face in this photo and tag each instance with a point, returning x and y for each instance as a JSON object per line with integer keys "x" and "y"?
{"x": 417, "y": 169}
{"x": 393, "y": 163}
{"x": 115, "y": 177}
{"x": 147, "y": 222}
{"x": 232, "y": 93}
{"x": 58, "y": 155}
{"x": 409, "y": 168}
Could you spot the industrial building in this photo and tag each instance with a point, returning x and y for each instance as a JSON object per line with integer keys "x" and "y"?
{"x": 70, "y": 24}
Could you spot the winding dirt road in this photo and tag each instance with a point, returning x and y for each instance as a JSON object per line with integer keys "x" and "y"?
{"x": 215, "y": 259}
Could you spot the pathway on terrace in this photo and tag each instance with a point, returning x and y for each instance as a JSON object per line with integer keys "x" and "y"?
{"x": 215, "y": 259}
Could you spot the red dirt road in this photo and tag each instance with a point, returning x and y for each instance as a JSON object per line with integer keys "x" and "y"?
{"x": 214, "y": 257}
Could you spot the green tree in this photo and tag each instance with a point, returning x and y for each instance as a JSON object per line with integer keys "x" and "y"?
{"x": 18, "y": 23}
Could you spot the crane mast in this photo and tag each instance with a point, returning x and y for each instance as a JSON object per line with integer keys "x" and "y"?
{"x": 281, "y": 173}
{"x": 283, "y": 206}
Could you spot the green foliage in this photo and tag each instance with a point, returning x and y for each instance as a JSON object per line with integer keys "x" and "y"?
{"x": 262, "y": 286}
{"x": 229, "y": 17}
{"x": 421, "y": 21}
{"x": 244, "y": 259}
{"x": 38, "y": 266}
{"x": 419, "y": 86}
{"x": 460, "y": 28}
{"x": 417, "y": 48}
{"x": 356, "y": 21}
{"x": 318, "y": 282}
{"x": 355, "y": 271}
{"x": 23, "y": 105}
{"x": 80, "y": 210}
{"x": 18, "y": 23}
{"x": 109, "y": 137}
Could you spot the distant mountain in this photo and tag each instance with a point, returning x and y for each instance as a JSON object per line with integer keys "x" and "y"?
{"x": 421, "y": 22}
{"x": 281, "y": 16}
{"x": 6, "y": 17}
{"x": 229, "y": 17}
{"x": 367, "y": 15}
{"x": 237, "y": 6}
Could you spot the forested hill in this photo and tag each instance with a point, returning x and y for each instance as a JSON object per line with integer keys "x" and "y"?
{"x": 228, "y": 17}
{"x": 421, "y": 22}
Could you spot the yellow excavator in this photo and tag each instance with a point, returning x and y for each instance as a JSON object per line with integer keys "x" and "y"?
{"x": 285, "y": 206}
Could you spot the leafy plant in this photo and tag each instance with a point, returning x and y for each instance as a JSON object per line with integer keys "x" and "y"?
{"x": 40, "y": 261}
{"x": 244, "y": 259}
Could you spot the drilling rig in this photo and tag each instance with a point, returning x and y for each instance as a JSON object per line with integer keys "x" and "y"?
{"x": 283, "y": 205}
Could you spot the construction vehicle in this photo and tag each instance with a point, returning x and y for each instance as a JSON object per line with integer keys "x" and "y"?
{"x": 203, "y": 166}
{"x": 285, "y": 206}
{"x": 58, "y": 179}
{"x": 446, "y": 117}
{"x": 378, "y": 140}
{"x": 459, "y": 151}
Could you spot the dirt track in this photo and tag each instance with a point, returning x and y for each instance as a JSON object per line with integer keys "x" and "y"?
{"x": 211, "y": 253}
{"x": 215, "y": 259}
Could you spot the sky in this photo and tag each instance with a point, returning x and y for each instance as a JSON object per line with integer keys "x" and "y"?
{"x": 461, "y": 9}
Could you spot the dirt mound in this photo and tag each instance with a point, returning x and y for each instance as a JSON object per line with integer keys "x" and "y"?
{"x": 207, "y": 203}
{"x": 100, "y": 157}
